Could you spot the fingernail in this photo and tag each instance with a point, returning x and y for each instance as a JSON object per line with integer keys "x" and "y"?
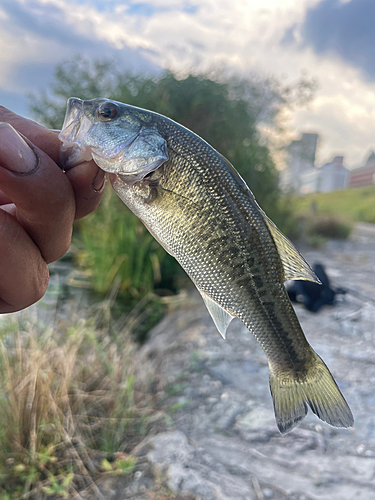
{"x": 15, "y": 154}
{"x": 99, "y": 181}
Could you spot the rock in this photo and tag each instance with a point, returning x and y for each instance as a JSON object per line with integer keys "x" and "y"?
{"x": 256, "y": 419}
{"x": 229, "y": 417}
{"x": 185, "y": 468}
{"x": 233, "y": 426}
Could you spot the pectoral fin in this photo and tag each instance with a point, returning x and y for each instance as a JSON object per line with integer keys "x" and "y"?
{"x": 295, "y": 266}
{"x": 221, "y": 317}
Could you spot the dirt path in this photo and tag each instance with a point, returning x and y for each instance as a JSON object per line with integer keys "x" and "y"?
{"x": 222, "y": 441}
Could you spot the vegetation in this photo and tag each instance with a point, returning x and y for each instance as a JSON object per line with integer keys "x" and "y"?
{"x": 114, "y": 244}
{"x": 329, "y": 226}
{"x": 356, "y": 204}
{"x": 112, "y": 249}
{"x": 224, "y": 114}
{"x": 116, "y": 251}
{"x": 68, "y": 414}
{"x": 319, "y": 216}
{"x": 314, "y": 229}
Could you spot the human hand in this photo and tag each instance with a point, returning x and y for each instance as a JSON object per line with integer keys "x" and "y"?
{"x": 38, "y": 204}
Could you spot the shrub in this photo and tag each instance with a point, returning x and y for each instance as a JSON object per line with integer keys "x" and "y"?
{"x": 115, "y": 250}
{"x": 329, "y": 226}
{"x": 117, "y": 246}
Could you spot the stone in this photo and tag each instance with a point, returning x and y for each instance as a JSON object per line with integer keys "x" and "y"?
{"x": 256, "y": 419}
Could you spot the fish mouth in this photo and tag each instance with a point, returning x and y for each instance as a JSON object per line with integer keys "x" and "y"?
{"x": 72, "y": 121}
{"x": 74, "y": 149}
{"x": 74, "y": 129}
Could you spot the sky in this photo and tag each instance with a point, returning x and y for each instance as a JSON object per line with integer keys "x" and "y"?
{"x": 331, "y": 41}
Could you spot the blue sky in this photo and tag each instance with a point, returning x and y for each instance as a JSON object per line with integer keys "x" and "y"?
{"x": 330, "y": 40}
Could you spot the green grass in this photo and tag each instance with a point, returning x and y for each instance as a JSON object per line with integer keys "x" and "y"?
{"x": 117, "y": 248}
{"x": 174, "y": 408}
{"x": 116, "y": 252}
{"x": 350, "y": 204}
{"x": 66, "y": 399}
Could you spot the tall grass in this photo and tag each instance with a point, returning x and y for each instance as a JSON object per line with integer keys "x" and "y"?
{"x": 116, "y": 245}
{"x": 113, "y": 248}
{"x": 67, "y": 406}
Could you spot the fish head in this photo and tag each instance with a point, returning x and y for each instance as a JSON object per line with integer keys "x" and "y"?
{"x": 121, "y": 139}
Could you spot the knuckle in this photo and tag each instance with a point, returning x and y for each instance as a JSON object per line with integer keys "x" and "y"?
{"x": 86, "y": 206}
{"x": 9, "y": 231}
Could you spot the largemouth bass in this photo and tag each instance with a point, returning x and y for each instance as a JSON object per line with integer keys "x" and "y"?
{"x": 201, "y": 211}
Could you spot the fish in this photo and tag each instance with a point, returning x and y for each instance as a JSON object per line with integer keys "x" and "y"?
{"x": 197, "y": 206}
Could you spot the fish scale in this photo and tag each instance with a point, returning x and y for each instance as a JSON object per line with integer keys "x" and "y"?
{"x": 201, "y": 211}
{"x": 198, "y": 275}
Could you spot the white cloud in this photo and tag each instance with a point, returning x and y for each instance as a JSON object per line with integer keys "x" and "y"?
{"x": 242, "y": 35}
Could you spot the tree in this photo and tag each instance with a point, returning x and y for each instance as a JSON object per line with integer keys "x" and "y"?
{"x": 223, "y": 112}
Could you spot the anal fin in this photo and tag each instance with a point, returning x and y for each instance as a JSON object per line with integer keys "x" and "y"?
{"x": 220, "y": 316}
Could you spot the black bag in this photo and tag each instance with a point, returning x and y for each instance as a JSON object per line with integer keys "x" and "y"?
{"x": 312, "y": 295}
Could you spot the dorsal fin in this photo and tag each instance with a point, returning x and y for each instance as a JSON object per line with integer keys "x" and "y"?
{"x": 221, "y": 317}
{"x": 295, "y": 266}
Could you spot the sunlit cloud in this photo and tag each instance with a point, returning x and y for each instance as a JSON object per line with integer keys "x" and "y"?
{"x": 281, "y": 39}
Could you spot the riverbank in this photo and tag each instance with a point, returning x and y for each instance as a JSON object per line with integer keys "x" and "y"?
{"x": 212, "y": 433}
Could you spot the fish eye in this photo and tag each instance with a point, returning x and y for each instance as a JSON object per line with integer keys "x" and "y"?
{"x": 107, "y": 111}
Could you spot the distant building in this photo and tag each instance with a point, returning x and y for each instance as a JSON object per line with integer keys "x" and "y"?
{"x": 301, "y": 161}
{"x": 365, "y": 175}
{"x": 333, "y": 176}
{"x": 303, "y": 177}
{"x": 310, "y": 181}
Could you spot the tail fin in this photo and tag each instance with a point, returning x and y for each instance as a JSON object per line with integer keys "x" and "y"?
{"x": 318, "y": 389}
